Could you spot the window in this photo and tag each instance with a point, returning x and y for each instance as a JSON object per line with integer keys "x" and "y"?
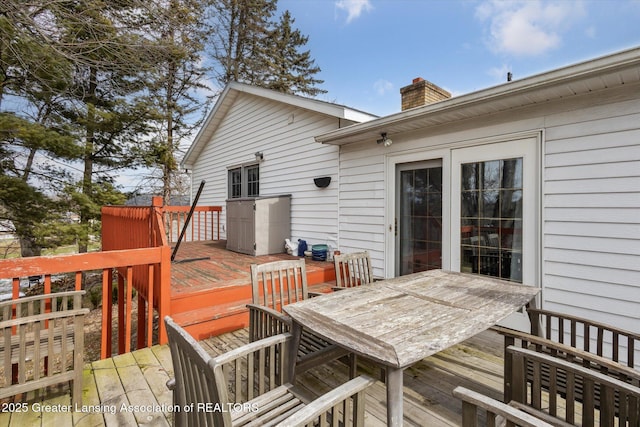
{"x": 253, "y": 181}
{"x": 491, "y": 218}
{"x": 244, "y": 181}
{"x": 235, "y": 183}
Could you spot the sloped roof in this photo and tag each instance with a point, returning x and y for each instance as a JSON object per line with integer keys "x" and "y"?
{"x": 622, "y": 68}
{"x": 234, "y": 89}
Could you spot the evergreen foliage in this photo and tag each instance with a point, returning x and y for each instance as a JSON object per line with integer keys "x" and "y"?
{"x": 89, "y": 88}
{"x": 248, "y": 46}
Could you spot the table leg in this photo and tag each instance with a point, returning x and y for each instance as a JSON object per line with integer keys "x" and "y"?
{"x": 296, "y": 332}
{"x": 394, "y": 396}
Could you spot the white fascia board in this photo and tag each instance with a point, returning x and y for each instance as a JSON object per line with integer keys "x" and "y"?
{"x": 328, "y": 108}
{"x": 572, "y": 73}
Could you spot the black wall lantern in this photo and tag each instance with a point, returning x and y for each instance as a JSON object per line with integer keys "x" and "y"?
{"x": 322, "y": 182}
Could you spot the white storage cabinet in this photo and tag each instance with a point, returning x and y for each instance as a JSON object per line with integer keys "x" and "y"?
{"x": 258, "y": 226}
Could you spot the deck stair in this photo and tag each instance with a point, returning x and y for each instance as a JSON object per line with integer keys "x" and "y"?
{"x": 212, "y": 308}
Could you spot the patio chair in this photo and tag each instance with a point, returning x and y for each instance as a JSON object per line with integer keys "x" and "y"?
{"x": 274, "y": 285}
{"x": 577, "y": 394}
{"x": 248, "y": 386}
{"x": 352, "y": 269}
{"x": 42, "y": 343}
{"x": 495, "y": 410}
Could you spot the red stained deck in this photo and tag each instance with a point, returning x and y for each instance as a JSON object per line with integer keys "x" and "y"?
{"x": 210, "y": 286}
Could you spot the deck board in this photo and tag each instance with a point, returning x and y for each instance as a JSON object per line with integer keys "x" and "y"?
{"x": 219, "y": 268}
{"x": 156, "y": 377}
{"x": 139, "y": 392}
{"x": 90, "y": 397}
{"x": 139, "y": 378}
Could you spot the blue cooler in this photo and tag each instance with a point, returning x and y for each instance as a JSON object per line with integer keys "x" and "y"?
{"x": 319, "y": 252}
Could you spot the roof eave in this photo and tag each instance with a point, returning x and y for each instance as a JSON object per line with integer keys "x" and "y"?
{"x": 573, "y": 73}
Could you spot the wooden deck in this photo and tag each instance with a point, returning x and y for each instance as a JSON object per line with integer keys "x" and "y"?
{"x": 129, "y": 389}
{"x": 210, "y": 286}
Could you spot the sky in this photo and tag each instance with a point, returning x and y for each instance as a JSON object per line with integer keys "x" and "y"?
{"x": 369, "y": 49}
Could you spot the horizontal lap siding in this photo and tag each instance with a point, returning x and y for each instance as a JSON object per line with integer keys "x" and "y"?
{"x": 362, "y": 203}
{"x": 590, "y": 201}
{"x": 291, "y": 160}
{"x": 591, "y": 253}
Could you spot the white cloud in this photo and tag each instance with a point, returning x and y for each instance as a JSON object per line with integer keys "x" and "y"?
{"x": 382, "y": 86}
{"x": 354, "y": 8}
{"x": 527, "y": 28}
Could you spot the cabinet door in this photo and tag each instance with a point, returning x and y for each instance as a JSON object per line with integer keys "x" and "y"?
{"x": 240, "y": 226}
{"x": 246, "y": 227}
{"x": 233, "y": 234}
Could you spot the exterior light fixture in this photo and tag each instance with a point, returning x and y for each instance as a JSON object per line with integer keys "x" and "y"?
{"x": 259, "y": 156}
{"x": 384, "y": 140}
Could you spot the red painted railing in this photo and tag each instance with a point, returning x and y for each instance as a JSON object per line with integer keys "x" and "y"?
{"x": 130, "y": 227}
{"x": 135, "y": 246}
{"x": 124, "y": 262}
{"x": 204, "y": 224}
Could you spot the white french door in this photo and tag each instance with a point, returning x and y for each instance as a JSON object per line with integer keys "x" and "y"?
{"x": 494, "y": 213}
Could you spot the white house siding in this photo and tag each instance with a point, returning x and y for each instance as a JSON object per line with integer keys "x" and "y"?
{"x": 590, "y": 216}
{"x": 362, "y": 203}
{"x": 291, "y": 160}
{"x": 363, "y": 172}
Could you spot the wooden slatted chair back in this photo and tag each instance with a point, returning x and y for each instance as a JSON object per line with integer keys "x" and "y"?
{"x": 221, "y": 387}
{"x": 604, "y": 340}
{"x": 42, "y": 343}
{"x": 353, "y": 269}
{"x": 248, "y": 386}
{"x": 619, "y": 402}
{"x": 275, "y": 284}
{"x": 194, "y": 378}
{"x": 562, "y": 351}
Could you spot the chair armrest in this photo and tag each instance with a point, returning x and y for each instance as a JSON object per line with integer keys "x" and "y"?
{"x": 473, "y": 400}
{"x": 567, "y": 352}
{"x": 270, "y": 313}
{"x": 42, "y": 317}
{"x": 330, "y": 400}
{"x": 252, "y": 347}
{"x": 35, "y": 298}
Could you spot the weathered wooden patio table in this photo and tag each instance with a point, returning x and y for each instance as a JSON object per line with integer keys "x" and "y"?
{"x": 399, "y": 321}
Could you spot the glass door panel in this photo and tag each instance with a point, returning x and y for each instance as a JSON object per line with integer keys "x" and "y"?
{"x": 419, "y": 218}
{"x": 491, "y": 218}
{"x": 495, "y": 213}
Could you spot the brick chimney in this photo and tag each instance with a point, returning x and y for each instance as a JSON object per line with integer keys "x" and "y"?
{"x": 421, "y": 92}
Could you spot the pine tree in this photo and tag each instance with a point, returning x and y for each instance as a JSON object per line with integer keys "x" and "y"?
{"x": 176, "y": 37}
{"x": 32, "y": 131}
{"x": 236, "y": 29}
{"x": 249, "y": 47}
{"x": 102, "y": 105}
{"x": 289, "y": 70}
{"x": 71, "y": 67}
